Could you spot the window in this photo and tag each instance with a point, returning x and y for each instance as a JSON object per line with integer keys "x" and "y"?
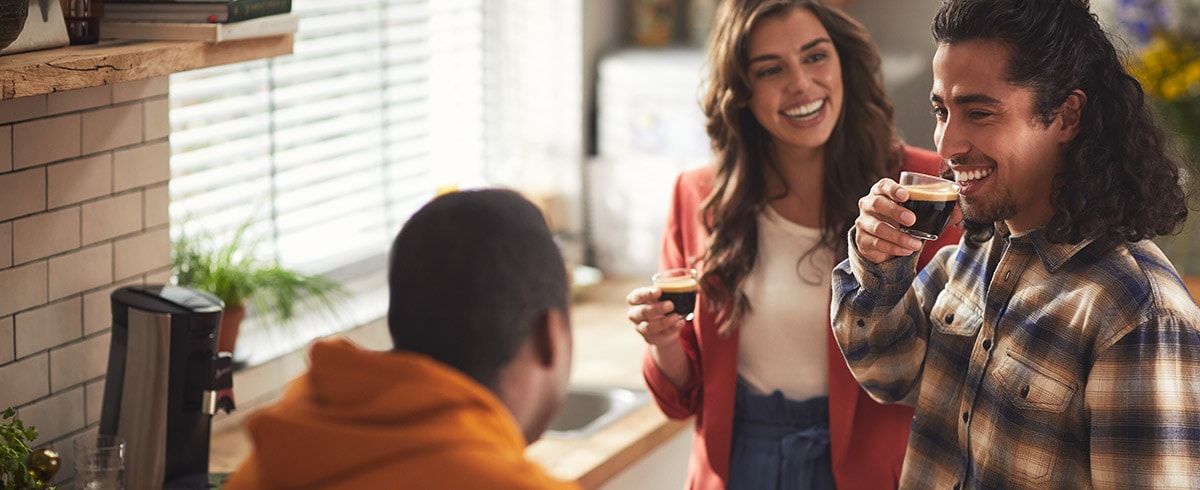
{"x": 329, "y": 150}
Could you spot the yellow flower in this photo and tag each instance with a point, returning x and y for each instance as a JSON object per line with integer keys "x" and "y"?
{"x": 1168, "y": 67}
{"x": 1191, "y": 73}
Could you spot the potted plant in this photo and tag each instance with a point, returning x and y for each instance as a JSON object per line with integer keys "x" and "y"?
{"x": 232, "y": 272}
{"x": 21, "y": 468}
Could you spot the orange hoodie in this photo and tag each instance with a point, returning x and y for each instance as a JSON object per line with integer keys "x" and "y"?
{"x": 362, "y": 419}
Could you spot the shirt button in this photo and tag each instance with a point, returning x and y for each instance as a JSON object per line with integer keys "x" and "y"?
{"x": 957, "y": 486}
{"x": 987, "y": 344}
{"x": 1007, "y": 274}
{"x": 966, "y": 416}
{"x": 861, "y": 323}
{"x": 1025, "y": 391}
{"x": 950, "y": 318}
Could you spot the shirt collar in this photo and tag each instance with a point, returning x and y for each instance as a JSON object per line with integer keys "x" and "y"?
{"x": 1052, "y": 255}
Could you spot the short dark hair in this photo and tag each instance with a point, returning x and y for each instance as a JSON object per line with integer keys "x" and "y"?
{"x": 1121, "y": 178}
{"x": 470, "y": 275}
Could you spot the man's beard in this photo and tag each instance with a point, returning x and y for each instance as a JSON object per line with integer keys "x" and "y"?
{"x": 1000, "y": 209}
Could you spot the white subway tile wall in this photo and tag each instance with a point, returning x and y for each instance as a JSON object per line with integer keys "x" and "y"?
{"x": 46, "y": 140}
{"x": 141, "y": 166}
{"x": 6, "y": 244}
{"x": 45, "y": 234}
{"x": 57, "y": 415}
{"x": 154, "y": 204}
{"x": 79, "y": 362}
{"x": 78, "y": 100}
{"x": 149, "y": 88}
{"x": 94, "y": 396}
{"x": 113, "y": 127}
{"x": 156, "y": 121}
{"x": 112, "y": 217}
{"x": 24, "y": 108}
{"x": 22, "y": 287}
{"x": 49, "y": 326}
{"x": 80, "y": 270}
{"x": 75, "y": 181}
{"x": 5, "y": 148}
{"x": 142, "y": 254}
{"x": 83, "y": 211}
{"x": 6, "y": 340}
{"x": 25, "y": 381}
{"x": 22, "y": 193}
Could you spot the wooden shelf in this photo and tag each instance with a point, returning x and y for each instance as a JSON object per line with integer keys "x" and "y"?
{"x": 115, "y": 61}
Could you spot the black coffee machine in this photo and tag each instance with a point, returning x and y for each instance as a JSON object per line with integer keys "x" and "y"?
{"x": 165, "y": 382}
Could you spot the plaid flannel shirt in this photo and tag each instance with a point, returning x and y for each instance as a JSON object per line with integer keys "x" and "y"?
{"x": 1031, "y": 364}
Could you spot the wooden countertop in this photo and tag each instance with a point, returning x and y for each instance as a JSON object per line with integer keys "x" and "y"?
{"x": 608, "y": 352}
{"x": 115, "y": 61}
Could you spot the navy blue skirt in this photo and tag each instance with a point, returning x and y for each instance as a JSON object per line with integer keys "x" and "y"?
{"x": 780, "y": 444}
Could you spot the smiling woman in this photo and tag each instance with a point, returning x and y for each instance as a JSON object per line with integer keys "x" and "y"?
{"x": 801, "y": 128}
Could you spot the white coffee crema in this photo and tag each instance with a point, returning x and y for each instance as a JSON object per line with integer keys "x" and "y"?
{"x": 932, "y": 192}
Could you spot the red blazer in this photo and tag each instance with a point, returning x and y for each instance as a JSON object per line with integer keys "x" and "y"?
{"x": 867, "y": 439}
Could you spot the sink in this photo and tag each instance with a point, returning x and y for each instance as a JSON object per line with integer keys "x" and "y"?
{"x": 591, "y": 408}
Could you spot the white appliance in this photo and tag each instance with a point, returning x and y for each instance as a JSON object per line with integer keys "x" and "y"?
{"x": 649, "y": 127}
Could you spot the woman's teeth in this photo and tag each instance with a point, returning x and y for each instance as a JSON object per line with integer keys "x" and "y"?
{"x": 971, "y": 175}
{"x": 806, "y": 111}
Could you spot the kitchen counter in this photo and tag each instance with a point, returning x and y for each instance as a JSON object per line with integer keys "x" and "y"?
{"x": 608, "y": 352}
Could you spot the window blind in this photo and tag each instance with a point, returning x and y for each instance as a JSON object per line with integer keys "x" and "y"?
{"x": 331, "y": 148}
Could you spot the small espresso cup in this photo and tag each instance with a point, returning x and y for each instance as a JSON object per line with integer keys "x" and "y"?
{"x": 679, "y": 287}
{"x": 932, "y": 200}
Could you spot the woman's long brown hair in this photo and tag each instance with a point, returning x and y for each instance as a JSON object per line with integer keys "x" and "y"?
{"x": 861, "y": 150}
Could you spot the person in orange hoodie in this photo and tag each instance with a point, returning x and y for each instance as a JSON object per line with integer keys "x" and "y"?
{"x": 478, "y": 315}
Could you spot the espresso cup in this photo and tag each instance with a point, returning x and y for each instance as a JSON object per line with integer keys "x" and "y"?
{"x": 932, "y": 200}
{"x": 679, "y": 287}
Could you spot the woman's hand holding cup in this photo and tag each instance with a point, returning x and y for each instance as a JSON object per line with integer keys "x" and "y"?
{"x": 661, "y": 311}
{"x": 655, "y": 320}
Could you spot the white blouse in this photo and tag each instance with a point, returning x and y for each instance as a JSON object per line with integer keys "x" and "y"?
{"x": 783, "y": 340}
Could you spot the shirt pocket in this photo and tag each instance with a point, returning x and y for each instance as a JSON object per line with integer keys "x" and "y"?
{"x": 1027, "y": 387}
{"x": 956, "y": 324}
{"x": 1036, "y": 402}
{"x": 951, "y": 315}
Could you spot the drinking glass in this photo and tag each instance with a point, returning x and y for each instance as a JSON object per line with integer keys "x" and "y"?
{"x": 678, "y": 286}
{"x": 932, "y": 200}
{"x": 99, "y": 462}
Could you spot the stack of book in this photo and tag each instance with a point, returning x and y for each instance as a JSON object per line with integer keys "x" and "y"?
{"x": 199, "y": 20}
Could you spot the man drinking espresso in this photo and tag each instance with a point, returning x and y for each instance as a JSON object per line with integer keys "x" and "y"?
{"x": 1055, "y": 346}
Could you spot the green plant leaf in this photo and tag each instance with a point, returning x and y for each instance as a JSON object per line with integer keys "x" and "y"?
{"x": 231, "y": 270}
{"x": 15, "y": 437}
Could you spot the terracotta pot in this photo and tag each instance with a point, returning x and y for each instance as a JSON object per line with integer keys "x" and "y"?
{"x": 12, "y": 20}
{"x": 231, "y": 322}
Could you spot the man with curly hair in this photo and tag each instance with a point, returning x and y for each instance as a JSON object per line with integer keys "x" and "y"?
{"x": 1055, "y": 346}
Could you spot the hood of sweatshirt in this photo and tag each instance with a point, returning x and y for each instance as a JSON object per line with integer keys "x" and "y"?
{"x": 356, "y": 412}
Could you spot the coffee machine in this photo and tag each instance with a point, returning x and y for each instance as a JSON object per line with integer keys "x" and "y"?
{"x": 165, "y": 381}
